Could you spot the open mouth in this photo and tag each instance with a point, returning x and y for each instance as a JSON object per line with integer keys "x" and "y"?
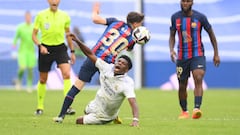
{"x": 117, "y": 67}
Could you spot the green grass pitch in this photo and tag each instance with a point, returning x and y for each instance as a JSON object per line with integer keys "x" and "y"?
{"x": 158, "y": 114}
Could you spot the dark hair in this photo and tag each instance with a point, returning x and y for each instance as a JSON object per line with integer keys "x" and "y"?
{"x": 128, "y": 60}
{"x": 133, "y": 17}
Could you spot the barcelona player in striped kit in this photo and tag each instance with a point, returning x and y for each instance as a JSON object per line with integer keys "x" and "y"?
{"x": 190, "y": 56}
{"x": 116, "y": 38}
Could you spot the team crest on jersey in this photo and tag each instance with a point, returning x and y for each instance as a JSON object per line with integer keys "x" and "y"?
{"x": 46, "y": 26}
{"x": 194, "y": 25}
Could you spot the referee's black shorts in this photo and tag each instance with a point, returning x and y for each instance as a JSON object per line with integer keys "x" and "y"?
{"x": 57, "y": 53}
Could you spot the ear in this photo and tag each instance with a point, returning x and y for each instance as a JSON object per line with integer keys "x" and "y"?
{"x": 126, "y": 69}
{"x": 134, "y": 25}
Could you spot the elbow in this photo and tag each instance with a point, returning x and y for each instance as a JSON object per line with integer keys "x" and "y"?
{"x": 34, "y": 35}
{"x": 95, "y": 20}
{"x": 33, "y": 38}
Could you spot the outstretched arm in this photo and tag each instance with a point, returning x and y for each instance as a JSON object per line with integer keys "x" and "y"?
{"x": 96, "y": 18}
{"x": 87, "y": 51}
{"x": 133, "y": 104}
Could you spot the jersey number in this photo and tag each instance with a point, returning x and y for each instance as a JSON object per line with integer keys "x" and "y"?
{"x": 115, "y": 41}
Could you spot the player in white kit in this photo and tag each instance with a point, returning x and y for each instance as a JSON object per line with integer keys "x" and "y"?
{"x": 115, "y": 86}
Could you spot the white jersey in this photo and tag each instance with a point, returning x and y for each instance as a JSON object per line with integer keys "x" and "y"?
{"x": 112, "y": 92}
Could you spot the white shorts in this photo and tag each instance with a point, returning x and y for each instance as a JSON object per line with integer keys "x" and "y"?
{"x": 94, "y": 115}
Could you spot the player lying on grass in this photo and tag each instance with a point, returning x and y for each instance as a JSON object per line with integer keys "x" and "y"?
{"x": 116, "y": 37}
{"x": 115, "y": 85}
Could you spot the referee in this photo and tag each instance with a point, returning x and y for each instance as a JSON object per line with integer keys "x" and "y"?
{"x": 53, "y": 24}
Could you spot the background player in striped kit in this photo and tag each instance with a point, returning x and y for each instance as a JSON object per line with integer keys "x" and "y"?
{"x": 191, "y": 58}
{"x": 116, "y": 37}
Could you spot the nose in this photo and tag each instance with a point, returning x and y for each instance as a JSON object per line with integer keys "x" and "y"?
{"x": 119, "y": 63}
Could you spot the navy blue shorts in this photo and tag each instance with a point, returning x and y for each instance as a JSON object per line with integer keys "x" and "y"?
{"x": 57, "y": 53}
{"x": 88, "y": 69}
{"x": 184, "y": 67}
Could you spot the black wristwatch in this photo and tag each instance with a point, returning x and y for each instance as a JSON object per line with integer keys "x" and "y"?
{"x": 72, "y": 51}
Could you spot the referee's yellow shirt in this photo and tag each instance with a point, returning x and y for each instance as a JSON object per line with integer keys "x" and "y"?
{"x": 52, "y": 26}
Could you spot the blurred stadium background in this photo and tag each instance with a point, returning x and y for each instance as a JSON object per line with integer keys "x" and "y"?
{"x": 223, "y": 15}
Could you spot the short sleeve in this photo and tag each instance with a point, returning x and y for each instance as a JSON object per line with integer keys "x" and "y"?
{"x": 103, "y": 66}
{"x": 129, "y": 88}
{"x": 16, "y": 35}
{"x": 172, "y": 23}
{"x": 68, "y": 21}
{"x": 111, "y": 20}
{"x": 206, "y": 23}
{"x": 37, "y": 22}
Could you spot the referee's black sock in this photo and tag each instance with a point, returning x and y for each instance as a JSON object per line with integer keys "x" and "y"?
{"x": 68, "y": 100}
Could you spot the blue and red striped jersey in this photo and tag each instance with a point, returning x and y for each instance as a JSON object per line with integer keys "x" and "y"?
{"x": 116, "y": 37}
{"x": 189, "y": 31}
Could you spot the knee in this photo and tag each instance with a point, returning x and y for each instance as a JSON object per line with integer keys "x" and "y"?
{"x": 66, "y": 75}
{"x": 43, "y": 80}
{"x": 198, "y": 79}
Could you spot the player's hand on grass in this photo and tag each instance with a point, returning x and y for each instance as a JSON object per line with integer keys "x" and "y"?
{"x": 135, "y": 124}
